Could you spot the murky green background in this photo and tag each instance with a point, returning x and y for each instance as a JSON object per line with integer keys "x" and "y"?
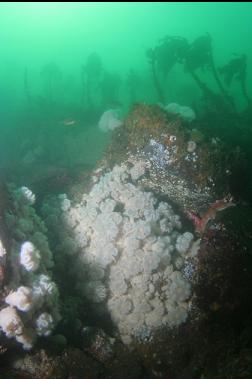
{"x": 33, "y": 35}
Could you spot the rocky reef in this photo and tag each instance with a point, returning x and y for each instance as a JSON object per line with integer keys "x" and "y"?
{"x": 150, "y": 258}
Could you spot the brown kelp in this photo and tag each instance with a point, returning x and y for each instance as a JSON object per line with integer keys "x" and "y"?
{"x": 236, "y": 69}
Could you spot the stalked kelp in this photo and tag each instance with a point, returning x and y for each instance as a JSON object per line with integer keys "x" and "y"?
{"x": 194, "y": 56}
{"x": 163, "y": 57}
{"x": 200, "y": 56}
{"x": 236, "y": 69}
{"x": 133, "y": 83}
{"x": 91, "y": 76}
{"x": 51, "y": 75}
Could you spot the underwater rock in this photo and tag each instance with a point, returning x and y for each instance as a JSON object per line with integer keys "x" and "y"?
{"x": 132, "y": 256}
{"x": 72, "y": 363}
{"x": 142, "y": 123}
{"x": 99, "y": 344}
{"x": 191, "y": 179}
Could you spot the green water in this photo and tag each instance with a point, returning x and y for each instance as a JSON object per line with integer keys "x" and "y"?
{"x": 46, "y": 46}
{"x": 63, "y": 67}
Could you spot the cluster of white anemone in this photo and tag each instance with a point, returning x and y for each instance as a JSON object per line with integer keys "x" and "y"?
{"x": 32, "y": 293}
{"x": 130, "y": 250}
